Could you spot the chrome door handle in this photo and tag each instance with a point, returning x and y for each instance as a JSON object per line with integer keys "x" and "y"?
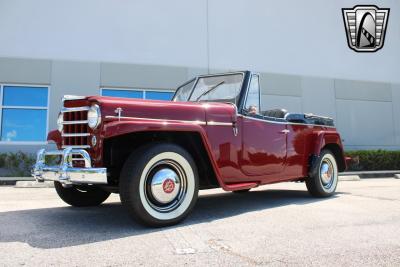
{"x": 286, "y": 131}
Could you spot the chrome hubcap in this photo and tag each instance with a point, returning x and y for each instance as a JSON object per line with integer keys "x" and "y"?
{"x": 166, "y": 186}
{"x": 327, "y": 173}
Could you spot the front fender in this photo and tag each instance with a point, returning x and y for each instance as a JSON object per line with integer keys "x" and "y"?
{"x": 55, "y": 136}
{"x": 117, "y": 128}
{"x": 122, "y": 127}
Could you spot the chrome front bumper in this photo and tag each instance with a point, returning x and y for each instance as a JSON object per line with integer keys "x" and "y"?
{"x": 65, "y": 173}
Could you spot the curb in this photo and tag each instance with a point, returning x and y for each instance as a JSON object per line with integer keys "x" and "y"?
{"x": 373, "y": 174}
{"x": 14, "y": 180}
{"x": 349, "y": 178}
{"x": 33, "y": 184}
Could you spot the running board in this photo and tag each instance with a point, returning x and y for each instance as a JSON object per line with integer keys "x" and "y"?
{"x": 240, "y": 186}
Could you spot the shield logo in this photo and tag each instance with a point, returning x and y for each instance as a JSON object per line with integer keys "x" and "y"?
{"x": 365, "y": 27}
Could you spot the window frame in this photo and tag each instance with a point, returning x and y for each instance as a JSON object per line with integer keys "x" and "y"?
{"x": 248, "y": 91}
{"x": 194, "y": 80}
{"x": 47, "y": 108}
{"x": 143, "y": 90}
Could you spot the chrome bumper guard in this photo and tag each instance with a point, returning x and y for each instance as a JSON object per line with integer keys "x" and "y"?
{"x": 65, "y": 173}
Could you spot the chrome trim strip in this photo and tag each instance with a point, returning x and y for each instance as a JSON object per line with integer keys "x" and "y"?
{"x": 210, "y": 123}
{"x": 78, "y": 159}
{"x": 162, "y": 120}
{"x": 76, "y": 146}
{"x": 74, "y": 122}
{"x": 84, "y": 108}
{"x": 75, "y": 134}
{"x": 216, "y": 123}
{"x": 198, "y": 122}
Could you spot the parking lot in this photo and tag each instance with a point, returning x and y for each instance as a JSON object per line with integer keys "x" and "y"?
{"x": 272, "y": 225}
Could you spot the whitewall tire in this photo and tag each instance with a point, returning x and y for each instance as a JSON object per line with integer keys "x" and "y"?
{"x": 323, "y": 178}
{"x": 159, "y": 184}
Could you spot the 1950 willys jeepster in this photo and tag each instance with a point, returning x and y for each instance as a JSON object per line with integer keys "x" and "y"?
{"x": 158, "y": 154}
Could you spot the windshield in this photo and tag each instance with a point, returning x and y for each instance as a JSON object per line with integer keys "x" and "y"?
{"x": 220, "y": 88}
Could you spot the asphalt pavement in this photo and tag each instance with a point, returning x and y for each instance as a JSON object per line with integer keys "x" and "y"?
{"x": 276, "y": 225}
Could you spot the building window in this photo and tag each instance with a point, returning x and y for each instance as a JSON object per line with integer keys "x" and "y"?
{"x": 23, "y": 113}
{"x": 138, "y": 93}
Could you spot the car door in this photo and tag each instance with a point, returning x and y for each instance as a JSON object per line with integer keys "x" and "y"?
{"x": 264, "y": 144}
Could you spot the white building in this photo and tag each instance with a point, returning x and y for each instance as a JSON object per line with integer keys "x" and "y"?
{"x": 92, "y": 46}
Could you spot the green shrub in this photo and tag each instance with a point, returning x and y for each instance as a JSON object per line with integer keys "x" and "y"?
{"x": 17, "y": 164}
{"x": 2, "y": 160}
{"x": 20, "y": 164}
{"x": 373, "y": 160}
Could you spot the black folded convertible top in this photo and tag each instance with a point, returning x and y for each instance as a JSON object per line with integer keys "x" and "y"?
{"x": 309, "y": 119}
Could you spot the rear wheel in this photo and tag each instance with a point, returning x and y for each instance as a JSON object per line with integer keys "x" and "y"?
{"x": 323, "y": 179}
{"x": 159, "y": 184}
{"x": 81, "y": 196}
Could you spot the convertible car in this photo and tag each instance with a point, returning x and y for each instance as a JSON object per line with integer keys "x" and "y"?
{"x": 157, "y": 155}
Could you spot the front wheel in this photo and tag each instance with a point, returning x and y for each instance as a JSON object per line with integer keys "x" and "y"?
{"x": 159, "y": 184}
{"x": 323, "y": 178}
{"x": 81, "y": 196}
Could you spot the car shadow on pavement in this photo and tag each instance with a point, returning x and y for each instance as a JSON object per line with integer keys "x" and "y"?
{"x": 67, "y": 226}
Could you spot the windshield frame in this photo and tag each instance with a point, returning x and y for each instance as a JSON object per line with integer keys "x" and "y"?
{"x": 238, "y": 97}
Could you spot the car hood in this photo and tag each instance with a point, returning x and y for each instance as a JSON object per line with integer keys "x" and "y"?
{"x": 168, "y": 110}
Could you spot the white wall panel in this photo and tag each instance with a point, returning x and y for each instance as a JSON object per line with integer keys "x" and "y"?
{"x": 280, "y": 84}
{"x": 142, "y": 76}
{"x": 71, "y": 78}
{"x": 154, "y": 32}
{"x": 18, "y": 70}
{"x": 318, "y": 96}
{"x": 365, "y": 123}
{"x": 361, "y": 90}
{"x": 298, "y": 37}
{"x": 290, "y": 103}
{"x": 290, "y": 37}
{"x": 396, "y": 112}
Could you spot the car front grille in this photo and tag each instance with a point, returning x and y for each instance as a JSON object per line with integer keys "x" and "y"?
{"x": 75, "y": 132}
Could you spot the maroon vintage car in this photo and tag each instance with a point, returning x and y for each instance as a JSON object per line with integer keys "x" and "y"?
{"x": 158, "y": 154}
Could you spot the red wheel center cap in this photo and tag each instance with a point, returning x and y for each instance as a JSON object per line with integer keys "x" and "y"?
{"x": 168, "y": 185}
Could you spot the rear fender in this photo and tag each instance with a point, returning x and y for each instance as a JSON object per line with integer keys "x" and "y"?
{"x": 332, "y": 141}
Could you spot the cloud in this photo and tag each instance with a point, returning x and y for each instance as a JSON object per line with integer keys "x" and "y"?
{"x": 11, "y": 135}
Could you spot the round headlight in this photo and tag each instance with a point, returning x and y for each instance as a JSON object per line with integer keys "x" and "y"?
{"x": 94, "y": 116}
{"x": 60, "y": 120}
